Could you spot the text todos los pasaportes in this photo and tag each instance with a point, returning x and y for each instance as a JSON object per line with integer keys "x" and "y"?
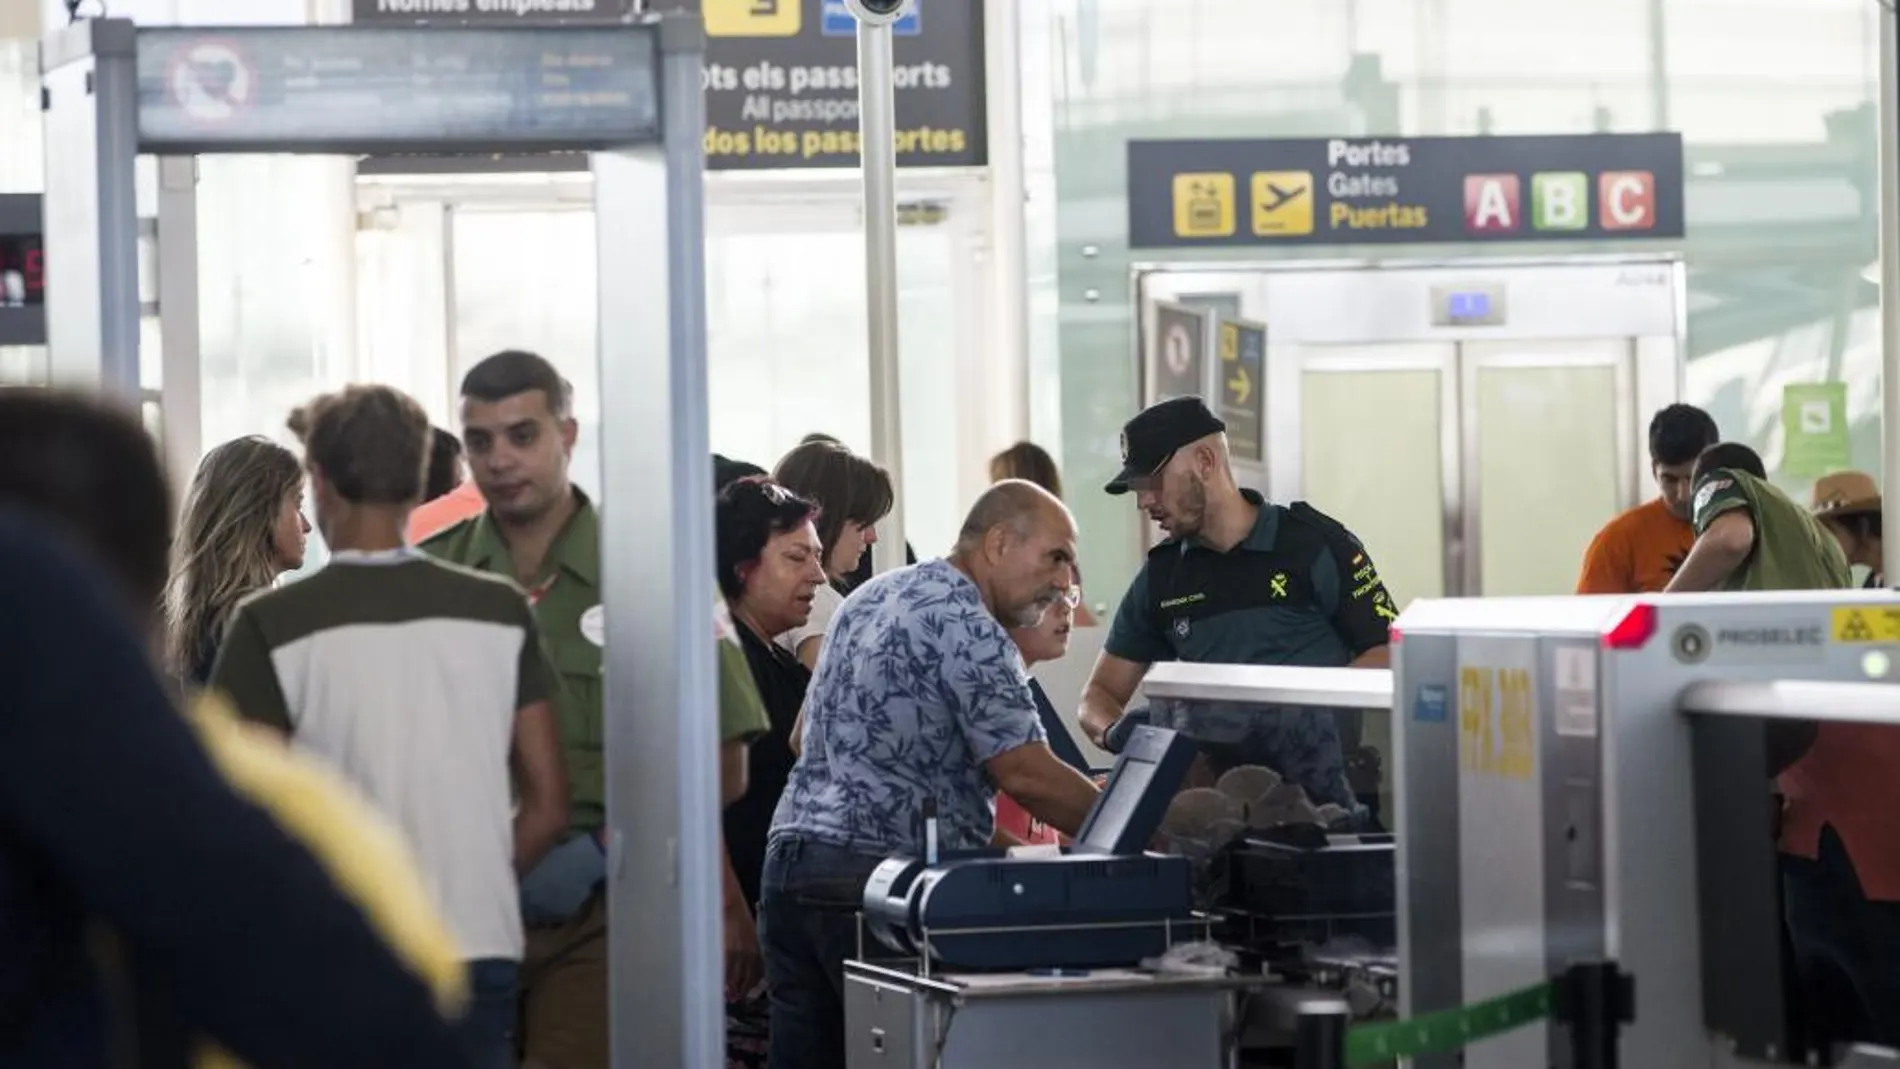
{"x": 778, "y": 95}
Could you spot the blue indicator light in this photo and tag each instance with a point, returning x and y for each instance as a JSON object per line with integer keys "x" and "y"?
{"x": 1470, "y": 305}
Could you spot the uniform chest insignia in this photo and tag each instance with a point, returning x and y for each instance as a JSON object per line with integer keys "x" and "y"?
{"x": 1183, "y": 626}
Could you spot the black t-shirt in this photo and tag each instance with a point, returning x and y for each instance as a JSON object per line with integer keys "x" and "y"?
{"x": 782, "y": 681}
{"x": 1060, "y": 741}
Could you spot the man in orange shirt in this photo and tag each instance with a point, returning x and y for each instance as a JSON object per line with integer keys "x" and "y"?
{"x": 1639, "y": 551}
{"x": 451, "y": 495}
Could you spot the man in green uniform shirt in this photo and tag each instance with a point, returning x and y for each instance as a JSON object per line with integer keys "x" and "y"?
{"x": 519, "y": 431}
{"x": 1750, "y": 535}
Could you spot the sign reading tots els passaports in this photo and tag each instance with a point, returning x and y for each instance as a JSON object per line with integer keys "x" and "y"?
{"x": 782, "y": 85}
{"x": 781, "y": 76}
{"x": 1404, "y": 190}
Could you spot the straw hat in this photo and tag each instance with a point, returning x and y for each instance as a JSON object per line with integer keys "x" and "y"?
{"x": 1846, "y": 493}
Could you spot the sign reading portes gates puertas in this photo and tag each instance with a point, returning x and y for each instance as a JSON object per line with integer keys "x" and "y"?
{"x": 781, "y": 76}
{"x": 1399, "y": 190}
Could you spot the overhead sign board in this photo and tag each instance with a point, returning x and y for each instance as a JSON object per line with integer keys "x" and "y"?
{"x": 515, "y": 12}
{"x": 781, "y": 76}
{"x": 782, "y": 85}
{"x": 1405, "y": 190}
{"x": 364, "y": 89}
{"x": 1243, "y": 379}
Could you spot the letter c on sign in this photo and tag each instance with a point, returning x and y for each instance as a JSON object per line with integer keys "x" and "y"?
{"x": 1626, "y": 202}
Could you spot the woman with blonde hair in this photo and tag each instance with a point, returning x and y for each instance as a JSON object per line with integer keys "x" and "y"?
{"x": 242, "y": 527}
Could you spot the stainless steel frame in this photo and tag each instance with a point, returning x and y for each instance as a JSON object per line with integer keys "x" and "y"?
{"x": 665, "y": 988}
{"x": 181, "y": 351}
{"x": 1370, "y": 315}
{"x": 1889, "y": 148}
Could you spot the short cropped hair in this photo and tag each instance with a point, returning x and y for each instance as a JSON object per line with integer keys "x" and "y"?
{"x": 516, "y": 371}
{"x": 1015, "y": 504}
{"x": 445, "y": 451}
{"x": 749, "y": 513}
{"x": 87, "y": 467}
{"x": 1730, "y": 456}
{"x": 1679, "y": 433}
{"x": 370, "y": 442}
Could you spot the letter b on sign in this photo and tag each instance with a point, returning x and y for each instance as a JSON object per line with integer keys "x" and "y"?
{"x": 1626, "y": 200}
{"x": 1560, "y": 200}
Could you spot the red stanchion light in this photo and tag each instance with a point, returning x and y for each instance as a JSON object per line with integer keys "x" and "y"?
{"x": 1633, "y": 631}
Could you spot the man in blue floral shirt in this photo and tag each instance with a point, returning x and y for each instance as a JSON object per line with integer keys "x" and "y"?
{"x": 920, "y": 697}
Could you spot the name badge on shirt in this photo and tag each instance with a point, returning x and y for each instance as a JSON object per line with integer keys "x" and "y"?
{"x": 594, "y": 626}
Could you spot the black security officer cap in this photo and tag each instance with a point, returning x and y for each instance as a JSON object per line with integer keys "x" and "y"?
{"x": 1157, "y": 433}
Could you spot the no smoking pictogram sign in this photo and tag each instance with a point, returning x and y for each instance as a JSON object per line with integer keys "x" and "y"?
{"x": 212, "y": 81}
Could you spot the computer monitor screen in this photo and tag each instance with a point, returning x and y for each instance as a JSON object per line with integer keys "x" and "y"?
{"x": 1146, "y": 777}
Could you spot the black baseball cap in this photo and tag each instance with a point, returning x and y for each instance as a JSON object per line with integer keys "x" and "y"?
{"x": 1157, "y": 433}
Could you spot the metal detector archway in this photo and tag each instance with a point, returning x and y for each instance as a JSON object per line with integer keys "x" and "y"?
{"x": 630, "y": 96}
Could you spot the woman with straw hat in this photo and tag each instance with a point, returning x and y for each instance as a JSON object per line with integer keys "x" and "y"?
{"x": 1848, "y": 504}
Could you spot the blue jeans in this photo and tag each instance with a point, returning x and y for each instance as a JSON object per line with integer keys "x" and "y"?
{"x": 488, "y": 1028}
{"x": 1846, "y": 948}
{"x": 809, "y": 897}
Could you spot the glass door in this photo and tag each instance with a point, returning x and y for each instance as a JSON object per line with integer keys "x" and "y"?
{"x": 786, "y": 315}
{"x": 451, "y": 269}
{"x": 1548, "y": 439}
{"x": 1377, "y": 424}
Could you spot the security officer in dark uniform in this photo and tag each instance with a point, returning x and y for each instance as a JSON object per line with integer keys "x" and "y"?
{"x": 1238, "y": 581}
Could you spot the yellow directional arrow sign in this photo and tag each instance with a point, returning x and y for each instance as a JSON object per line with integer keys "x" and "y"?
{"x": 1241, "y": 385}
{"x": 1229, "y": 342}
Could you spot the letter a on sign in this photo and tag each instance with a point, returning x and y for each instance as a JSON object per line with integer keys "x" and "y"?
{"x": 1490, "y": 203}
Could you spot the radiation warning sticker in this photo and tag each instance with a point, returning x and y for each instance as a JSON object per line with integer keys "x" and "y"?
{"x": 1866, "y": 623}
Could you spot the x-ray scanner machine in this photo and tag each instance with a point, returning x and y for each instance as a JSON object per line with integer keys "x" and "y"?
{"x": 1584, "y": 780}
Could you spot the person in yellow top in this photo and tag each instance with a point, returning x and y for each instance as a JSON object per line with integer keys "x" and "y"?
{"x": 361, "y": 852}
{"x": 170, "y": 882}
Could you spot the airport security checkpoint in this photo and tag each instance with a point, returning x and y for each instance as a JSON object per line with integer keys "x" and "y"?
{"x": 1560, "y": 860}
{"x": 1572, "y": 876}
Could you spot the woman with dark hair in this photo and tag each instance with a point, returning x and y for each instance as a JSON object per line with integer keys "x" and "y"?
{"x": 771, "y": 564}
{"x": 852, "y": 495}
